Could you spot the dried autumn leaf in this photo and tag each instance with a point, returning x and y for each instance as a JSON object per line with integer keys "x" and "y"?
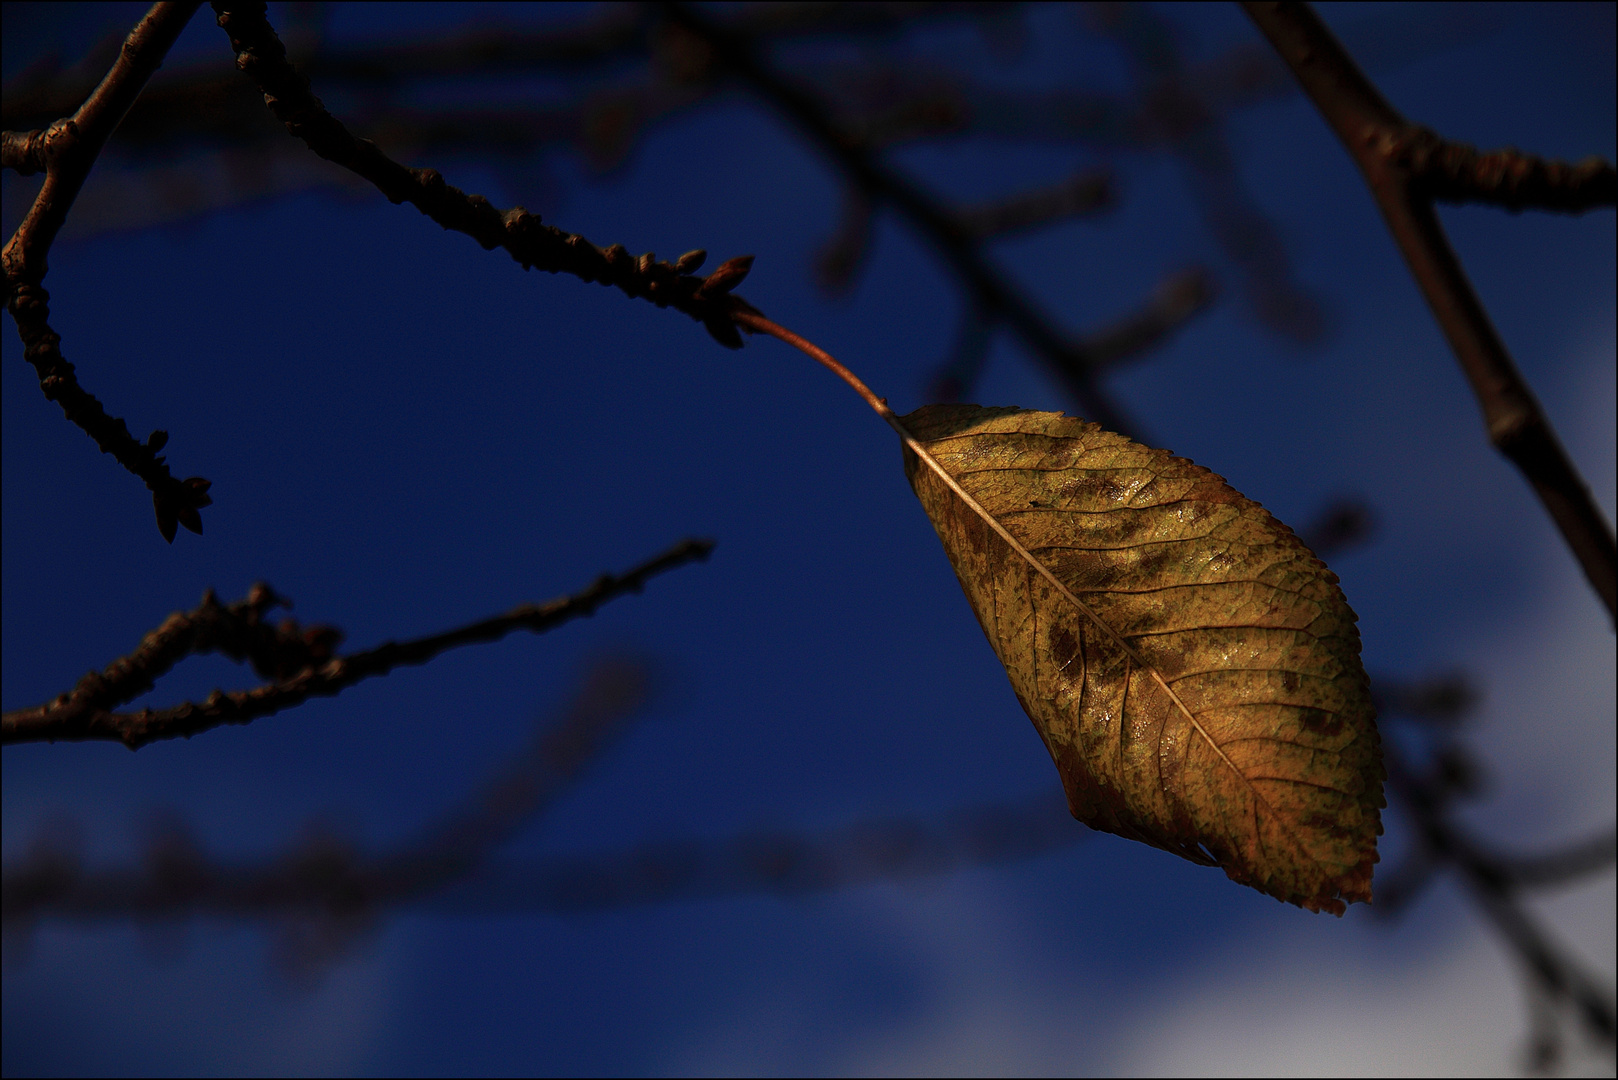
{"x": 1193, "y": 669}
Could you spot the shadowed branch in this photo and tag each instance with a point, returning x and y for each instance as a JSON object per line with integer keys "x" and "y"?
{"x": 994, "y": 295}
{"x": 65, "y": 152}
{"x": 1405, "y": 168}
{"x": 260, "y": 55}
{"x": 1495, "y": 880}
{"x": 322, "y": 893}
{"x": 299, "y": 662}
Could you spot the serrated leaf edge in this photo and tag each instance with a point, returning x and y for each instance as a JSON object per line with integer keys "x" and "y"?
{"x": 932, "y": 463}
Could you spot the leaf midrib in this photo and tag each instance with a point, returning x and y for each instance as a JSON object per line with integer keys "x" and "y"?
{"x": 1129, "y": 650}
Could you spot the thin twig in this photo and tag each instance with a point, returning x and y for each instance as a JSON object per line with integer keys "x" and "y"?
{"x": 1456, "y": 173}
{"x": 1085, "y": 194}
{"x": 1179, "y": 297}
{"x": 66, "y": 152}
{"x": 323, "y": 892}
{"x": 260, "y": 55}
{"x": 1379, "y": 139}
{"x": 996, "y": 297}
{"x": 1494, "y": 884}
{"x": 84, "y": 714}
{"x": 1178, "y": 116}
{"x": 1555, "y": 867}
{"x": 1344, "y": 523}
{"x": 327, "y": 880}
{"x": 779, "y": 863}
{"x": 612, "y": 691}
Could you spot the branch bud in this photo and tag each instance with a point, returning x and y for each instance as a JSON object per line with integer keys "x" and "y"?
{"x": 730, "y": 274}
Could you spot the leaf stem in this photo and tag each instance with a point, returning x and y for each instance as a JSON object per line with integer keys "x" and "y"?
{"x": 760, "y": 324}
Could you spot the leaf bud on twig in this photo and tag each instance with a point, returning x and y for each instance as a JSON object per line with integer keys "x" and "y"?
{"x": 730, "y": 274}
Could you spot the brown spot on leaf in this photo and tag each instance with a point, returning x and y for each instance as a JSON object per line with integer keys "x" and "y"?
{"x": 1135, "y": 760}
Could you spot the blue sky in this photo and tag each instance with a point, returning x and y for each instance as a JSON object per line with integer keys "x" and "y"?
{"x": 406, "y": 432}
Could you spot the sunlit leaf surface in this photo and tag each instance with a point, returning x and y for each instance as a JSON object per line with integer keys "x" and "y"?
{"x": 1193, "y": 669}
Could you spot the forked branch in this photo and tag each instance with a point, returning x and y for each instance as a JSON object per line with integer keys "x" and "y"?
{"x": 66, "y": 152}
{"x": 995, "y": 296}
{"x": 1496, "y": 883}
{"x": 1406, "y": 167}
{"x": 298, "y": 663}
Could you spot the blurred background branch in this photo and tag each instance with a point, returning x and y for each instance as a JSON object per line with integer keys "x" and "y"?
{"x": 199, "y": 140}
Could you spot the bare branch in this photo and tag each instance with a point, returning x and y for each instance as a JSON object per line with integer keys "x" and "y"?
{"x": 1456, "y": 173}
{"x": 1172, "y": 113}
{"x": 260, "y": 55}
{"x": 84, "y": 713}
{"x": 1494, "y": 884}
{"x": 66, "y": 151}
{"x": 613, "y": 690}
{"x": 839, "y": 259}
{"x": 322, "y": 892}
{"x": 779, "y": 863}
{"x": 1345, "y": 523}
{"x": 69, "y": 150}
{"x": 1085, "y": 194}
{"x": 1377, "y": 137}
{"x": 994, "y": 295}
{"x": 326, "y": 878}
{"x": 1442, "y": 700}
{"x": 1178, "y": 299}
{"x": 1555, "y": 867}
{"x": 959, "y": 373}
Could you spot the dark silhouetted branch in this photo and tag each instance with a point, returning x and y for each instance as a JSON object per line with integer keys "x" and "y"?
{"x": 1494, "y": 887}
{"x": 995, "y": 296}
{"x": 300, "y": 662}
{"x": 839, "y": 259}
{"x": 236, "y": 151}
{"x": 1090, "y": 192}
{"x": 1344, "y": 524}
{"x": 1175, "y": 115}
{"x": 323, "y": 893}
{"x": 780, "y": 863}
{"x": 1456, "y": 173}
{"x": 1555, "y": 867}
{"x": 959, "y": 373}
{"x": 613, "y": 690}
{"x": 1178, "y": 299}
{"x": 1444, "y": 700}
{"x": 65, "y": 152}
{"x": 529, "y": 241}
{"x": 1380, "y": 141}
{"x": 1494, "y": 880}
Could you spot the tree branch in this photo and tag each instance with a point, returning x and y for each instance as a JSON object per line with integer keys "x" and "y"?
{"x": 996, "y": 297}
{"x": 326, "y": 881}
{"x": 1553, "y": 868}
{"x": 1380, "y": 141}
{"x": 1456, "y": 173}
{"x": 1494, "y": 884}
{"x": 299, "y": 661}
{"x": 1085, "y": 194}
{"x": 1175, "y": 113}
{"x": 66, "y": 152}
{"x": 260, "y": 55}
{"x": 323, "y": 892}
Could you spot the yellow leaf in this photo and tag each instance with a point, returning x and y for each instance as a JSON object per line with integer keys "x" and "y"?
{"x": 1193, "y": 669}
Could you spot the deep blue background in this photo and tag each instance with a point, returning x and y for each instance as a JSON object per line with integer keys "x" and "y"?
{"x": 406, "y": 432}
